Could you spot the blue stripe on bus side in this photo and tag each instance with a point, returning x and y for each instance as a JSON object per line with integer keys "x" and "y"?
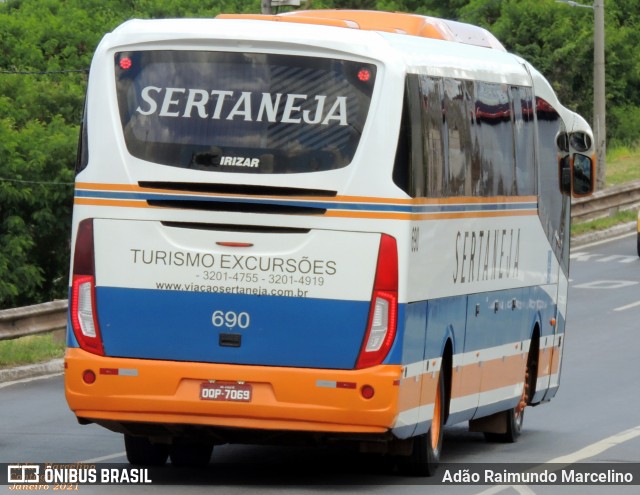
{"x": 454, "y": 317}
{"x": 283, "y": 331}
{"x": 428, "y": 325}
{"x": 330, "y": 205}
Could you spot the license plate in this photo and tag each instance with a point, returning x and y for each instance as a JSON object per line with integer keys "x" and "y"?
{"x": 228, "y": 392}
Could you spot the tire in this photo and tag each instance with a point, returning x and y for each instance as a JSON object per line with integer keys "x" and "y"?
{"x": 425, "y": 455}
{"x": 190, "y": 453}
{"x": 141, "y": 452}
{"x": 638, "y": 247}
{"x": 514, "y": 419}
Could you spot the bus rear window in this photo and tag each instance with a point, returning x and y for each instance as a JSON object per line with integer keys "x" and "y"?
{"x": 242, "y": 112}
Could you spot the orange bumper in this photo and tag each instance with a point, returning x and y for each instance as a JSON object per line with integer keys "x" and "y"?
{"x": 294, "y": 399}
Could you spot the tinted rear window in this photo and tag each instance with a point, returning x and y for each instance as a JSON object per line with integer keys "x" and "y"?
{"x": 243, "y": 113}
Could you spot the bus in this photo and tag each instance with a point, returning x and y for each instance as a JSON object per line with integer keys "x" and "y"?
{"x": 327, "y": 226}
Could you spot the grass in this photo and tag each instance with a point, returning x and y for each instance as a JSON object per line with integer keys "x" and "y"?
{"x": 31, "y": 349}
{"x": 603, "y": 223}
{"x": 623, "y": 165}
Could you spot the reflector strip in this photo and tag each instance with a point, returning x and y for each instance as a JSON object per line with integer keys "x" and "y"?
{"x": 332, "y": 384}
{"x": 119, "y": 371}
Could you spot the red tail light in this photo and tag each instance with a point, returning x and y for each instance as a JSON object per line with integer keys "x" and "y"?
{"x": 84, "y": 317}
{"x": 383, "y": 313}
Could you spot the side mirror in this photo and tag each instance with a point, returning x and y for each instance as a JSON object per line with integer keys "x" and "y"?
{"x": 582, "y": 175}
{"x": 580, "y": 141}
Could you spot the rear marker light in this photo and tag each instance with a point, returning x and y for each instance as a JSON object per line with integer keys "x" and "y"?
{"x": 364, "y": 75}
{"x": 367, "y": 391}
{"x": 88, "y": 377}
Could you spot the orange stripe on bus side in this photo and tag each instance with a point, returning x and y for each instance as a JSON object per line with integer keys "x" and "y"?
{"x": 341, "y": 199}
{"x": 110, "y": 202}
{"x": 466, "y": 380}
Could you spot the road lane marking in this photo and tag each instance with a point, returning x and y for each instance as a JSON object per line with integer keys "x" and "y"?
{"x": 628, "y": 306}
{"x": 606, "y": 284}
{"x": 524, "y": 490}
{"x": 598, "y": 447}
{"x": 619, "y": 258}
{"x": 577, "y": 456}
{"x": 103, "y": 458}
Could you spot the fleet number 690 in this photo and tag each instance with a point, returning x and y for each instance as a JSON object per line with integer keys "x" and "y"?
{"x": 230, "y": 319}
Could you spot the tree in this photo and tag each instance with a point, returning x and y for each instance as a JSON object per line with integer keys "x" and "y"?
{"x": 47, "y": 49}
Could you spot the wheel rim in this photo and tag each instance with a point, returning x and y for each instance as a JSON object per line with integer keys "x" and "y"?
{"x": 519, "y": 409}
{"x": 436, "y": 421}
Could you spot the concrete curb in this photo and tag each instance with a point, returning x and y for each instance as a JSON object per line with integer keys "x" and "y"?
{"x": 615, "y": 231}
{"x": 53, "y": 367}
{"x": 57, "y": 365}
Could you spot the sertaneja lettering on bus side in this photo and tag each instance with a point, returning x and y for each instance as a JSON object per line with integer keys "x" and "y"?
{"x": 486, "y": 255}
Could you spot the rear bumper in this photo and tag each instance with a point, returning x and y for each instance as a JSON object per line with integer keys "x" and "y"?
{"x": 292, "y": 399}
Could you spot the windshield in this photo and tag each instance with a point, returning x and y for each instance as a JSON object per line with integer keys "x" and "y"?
{"x": 242, "y": 112}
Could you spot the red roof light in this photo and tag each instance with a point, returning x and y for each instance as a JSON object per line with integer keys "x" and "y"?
{"x": 364, "y": 75}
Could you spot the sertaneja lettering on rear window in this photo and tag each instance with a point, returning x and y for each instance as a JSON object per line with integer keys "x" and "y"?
{"x": 242, "y": 113}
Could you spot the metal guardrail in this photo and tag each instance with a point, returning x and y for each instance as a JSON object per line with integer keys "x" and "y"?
{"x": 606, "y": 202}
{"x": 31, "y": 320}
{"x": 47, "y": 317}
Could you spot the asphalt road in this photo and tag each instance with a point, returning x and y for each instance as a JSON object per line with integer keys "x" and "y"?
{"x": 594, "y": 417}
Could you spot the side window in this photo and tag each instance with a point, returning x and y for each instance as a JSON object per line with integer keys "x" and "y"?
{"x": 409, "y": 169}
{"x": 524, "y": 140}
{"x": 82, "y": 155}
{"x": 458, "y": 138}
{"x": 434, "y": 135}
{"x": 553, "y": 205}
{"x": 493, "y": 113}
{"x": 402, "y": 163}
{"x": 466, "y": 138}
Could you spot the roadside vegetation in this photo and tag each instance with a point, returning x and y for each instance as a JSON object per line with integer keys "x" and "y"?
{"x": 623, "y": 165}
{"x": 31, "y": 349}
{"x": 47, "y": 46}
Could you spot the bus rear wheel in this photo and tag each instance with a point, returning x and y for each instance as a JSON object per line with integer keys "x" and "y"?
{"x": 425, "y": 455}
{"x": 513, "y": 418}
{"x": 142, "y": 452}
